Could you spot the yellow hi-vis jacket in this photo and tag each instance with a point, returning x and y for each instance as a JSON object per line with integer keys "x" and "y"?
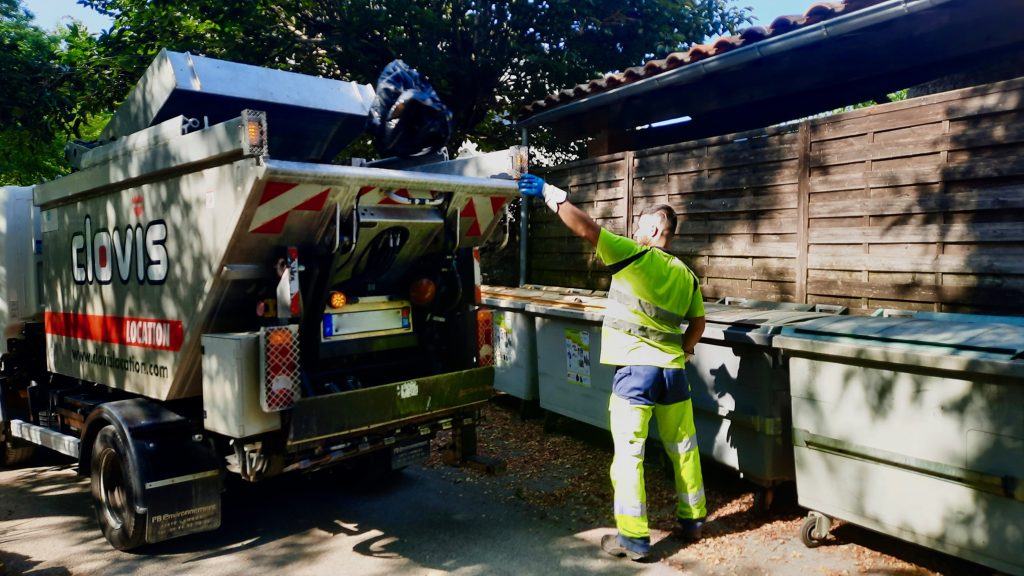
{"x": 648, "y": 300}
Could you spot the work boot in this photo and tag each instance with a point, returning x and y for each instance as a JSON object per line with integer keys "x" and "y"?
{"x": 636, "y": 549}
{"x": 690, "y": 529}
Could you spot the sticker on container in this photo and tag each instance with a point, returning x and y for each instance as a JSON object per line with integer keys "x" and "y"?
{"x": 408, "y": 389}
{"x": 504, "y": 350}
{"x": 577, "y": 357}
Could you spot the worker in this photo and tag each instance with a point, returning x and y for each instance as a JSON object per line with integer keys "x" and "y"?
{"x": 651, "y": 294}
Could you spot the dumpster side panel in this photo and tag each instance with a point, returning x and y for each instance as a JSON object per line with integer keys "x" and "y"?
{"x": 740, "y": 399}
{"x": 572, "y": 381}
{"x": 930, "y": 459}
{"x": 515, "y": 353}
{"x": 921, "y": 416}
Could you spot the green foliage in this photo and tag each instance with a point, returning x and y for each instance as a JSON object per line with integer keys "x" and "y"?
{"x": 48, "y": 94}
{"x": 896, "y": 96}
{"x": 485, "y": 59}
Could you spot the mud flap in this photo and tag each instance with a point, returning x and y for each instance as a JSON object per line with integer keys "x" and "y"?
{"x": 177, "y": 480}
{"x": 182, "y": 484}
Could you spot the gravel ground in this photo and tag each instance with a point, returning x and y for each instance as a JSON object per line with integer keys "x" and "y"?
{"x": 561, "y": 475}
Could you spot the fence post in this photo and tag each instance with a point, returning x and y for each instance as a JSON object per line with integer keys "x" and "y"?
{"x": 802, "y": 208}
{"x": 627, "y": 190}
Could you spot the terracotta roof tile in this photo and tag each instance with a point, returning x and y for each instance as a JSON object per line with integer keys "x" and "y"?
{"x": 817, "y": 12}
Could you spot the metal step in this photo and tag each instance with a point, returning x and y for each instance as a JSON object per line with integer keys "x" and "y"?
{"x": 68, "y": 445}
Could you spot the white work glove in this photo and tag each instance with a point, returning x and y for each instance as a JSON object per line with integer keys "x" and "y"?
{"x": 534, "y": 186}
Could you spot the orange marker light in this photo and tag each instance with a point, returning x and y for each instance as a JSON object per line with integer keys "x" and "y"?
{"x": 338, "y": 300}
{"x": 255, "y": 132}
{"x": 279, "y": 338}
{"x": 422, "y": 291}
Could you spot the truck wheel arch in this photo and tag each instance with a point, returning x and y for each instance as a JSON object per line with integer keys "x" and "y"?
{"x": 129, "y": 418}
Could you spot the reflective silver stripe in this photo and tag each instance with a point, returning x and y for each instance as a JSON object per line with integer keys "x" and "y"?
{"x": 651, "y": 309}
{"x": 692, "y": 499}
{"x": 684, "y": 446}
{"x": 635, "y": 510}
{"x": 180, "y": 479}
{"x": 643, "y": 331}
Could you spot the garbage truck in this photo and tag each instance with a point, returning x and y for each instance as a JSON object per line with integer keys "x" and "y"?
{"x": 207, "y": 294}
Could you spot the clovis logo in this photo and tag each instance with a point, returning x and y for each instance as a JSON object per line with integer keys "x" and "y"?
{"x": 137, "y": 252}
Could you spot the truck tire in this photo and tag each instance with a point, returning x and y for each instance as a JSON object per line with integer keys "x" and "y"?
{"x": 15, "y": 452}
{"x": 112, "y": 493}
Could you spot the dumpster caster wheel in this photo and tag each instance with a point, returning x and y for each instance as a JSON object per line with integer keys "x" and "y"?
{"x": 811, "y": 534}
{"x": 763, "y": 499}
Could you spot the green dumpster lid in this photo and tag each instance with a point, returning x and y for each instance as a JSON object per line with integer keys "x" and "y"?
{"x": 759, "y": 320}
{"x": 993, "y": 338}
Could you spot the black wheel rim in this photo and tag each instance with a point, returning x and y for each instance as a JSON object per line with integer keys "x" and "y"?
{"x": 112, "y": 489}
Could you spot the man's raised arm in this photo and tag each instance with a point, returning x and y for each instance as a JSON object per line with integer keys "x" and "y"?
{"x": 575, "y": 219}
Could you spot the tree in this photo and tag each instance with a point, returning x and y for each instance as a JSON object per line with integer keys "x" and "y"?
{"x": 485, "y": 59}
{"x": 47, "y": 94}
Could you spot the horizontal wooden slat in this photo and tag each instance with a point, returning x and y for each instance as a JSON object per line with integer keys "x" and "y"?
{"x": 778, "y": 292}
{"x": 595, "y": 192}
{"x": 784, "y": 134}
{"x": 575, "y": 262}
{"x": 920, "y": 234}
{"x": 694, "y": 204}
{"x": 768, "y": 274}
{"x": 600, "y": 173}
{"x": 653, "y": 186}
{"x": 924, "y": 264}
{"x": 974, "y": 170}
{"x": 737, "y": 226}
{"x": 731, "y": 157}
{"x": 581, "y": 165}
{"x": 725, "y": 248}
{"x": 781, "y": 173}
{"x": 916, "y": 111}
{"x": 593, "y": 281}
{"x": 912, "y": 202}
{"x": 656, "y": 165}
{"x": 978, "y": 295}
{"x": 967, "y": 138}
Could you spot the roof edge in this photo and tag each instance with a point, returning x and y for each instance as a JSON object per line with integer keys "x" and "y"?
{"x": 805, "y": 36}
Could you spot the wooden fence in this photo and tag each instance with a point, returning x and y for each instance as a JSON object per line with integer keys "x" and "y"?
{"x": 916, "y": 205}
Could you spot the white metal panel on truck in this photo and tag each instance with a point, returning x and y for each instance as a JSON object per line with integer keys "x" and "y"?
{"x": 19, "y": 245}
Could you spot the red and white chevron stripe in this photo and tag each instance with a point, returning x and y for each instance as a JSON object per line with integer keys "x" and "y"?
{"x": 281, "y": 198}
{"x": 479, "y": 212}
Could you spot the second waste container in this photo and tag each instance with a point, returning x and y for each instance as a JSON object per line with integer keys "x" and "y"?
{"x": 514, "y": 341}
{"x": 572, "y": 381}
{"x": 740, "y": 391}
{"x": 913, "y": 427}
{"x": 514, "y": 332}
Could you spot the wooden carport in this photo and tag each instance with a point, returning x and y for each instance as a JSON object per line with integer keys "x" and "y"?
{"x": 916, "y": 204}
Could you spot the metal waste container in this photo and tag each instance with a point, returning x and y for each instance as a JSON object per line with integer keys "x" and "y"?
{"x": 740, "y": 392}
{"x": 514, "y": 331}
{"x": 572, "y": 381}
{"x": 514, "y": 341}
{"x": 913, "y": 427}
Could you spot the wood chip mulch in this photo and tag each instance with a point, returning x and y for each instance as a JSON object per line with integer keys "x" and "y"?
{"x": 559, "y": 468}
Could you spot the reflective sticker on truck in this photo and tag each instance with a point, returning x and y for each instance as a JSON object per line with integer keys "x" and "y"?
{"x": 150, "y": 333}
{"x": 281, "y": 198}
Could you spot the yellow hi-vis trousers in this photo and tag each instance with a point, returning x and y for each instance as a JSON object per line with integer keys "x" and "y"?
{"x": 629, "y": 433}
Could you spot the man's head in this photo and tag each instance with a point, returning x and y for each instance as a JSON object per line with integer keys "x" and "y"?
{"x": 656, "y": 227}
